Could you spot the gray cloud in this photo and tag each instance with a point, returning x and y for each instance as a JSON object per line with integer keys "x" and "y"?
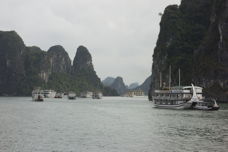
{"x": 120, "y": 34}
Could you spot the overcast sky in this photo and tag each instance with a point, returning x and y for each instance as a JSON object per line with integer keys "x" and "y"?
{"x": 120, "y": 34}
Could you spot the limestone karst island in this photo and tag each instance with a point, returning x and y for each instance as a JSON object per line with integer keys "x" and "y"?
{"x": 114, "y": 76}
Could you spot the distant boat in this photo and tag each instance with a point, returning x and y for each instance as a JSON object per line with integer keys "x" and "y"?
{"x": 133, "y": 93}
{"x": 97, "y": 95}
{"x": 37, "y": 95}
{"x": 59, "y": 95}
{"x": 86, "y": 94}
{"x": 49, "y": 93}
{"x": 71, "y": 95}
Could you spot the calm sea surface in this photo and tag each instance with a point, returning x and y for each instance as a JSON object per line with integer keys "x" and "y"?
{"x": 108, "y": 125}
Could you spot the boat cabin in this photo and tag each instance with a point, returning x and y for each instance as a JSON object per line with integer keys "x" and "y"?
{"x": 176, "y": 95}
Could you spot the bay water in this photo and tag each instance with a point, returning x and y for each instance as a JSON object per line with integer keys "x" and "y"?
{"x": 112, "y": 124}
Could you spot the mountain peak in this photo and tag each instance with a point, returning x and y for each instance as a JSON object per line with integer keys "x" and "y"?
{"x": 133, "y": 85}
{"x": 108, "y": 81}
{"x": 83, "y": 67}
{"x": 56, "y": 49}
{"x": 59, "y": 59}
{"x": 82, "y": 60}
{"x": 119, "y": 85}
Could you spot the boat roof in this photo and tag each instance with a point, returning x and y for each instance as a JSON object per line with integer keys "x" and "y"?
{"x": 189, "y": 87}
{"x": 177, "y": 89}
{"x": 185, "y": 87}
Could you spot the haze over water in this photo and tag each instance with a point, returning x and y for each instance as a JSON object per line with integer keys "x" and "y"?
{"x": 108, "y": 125}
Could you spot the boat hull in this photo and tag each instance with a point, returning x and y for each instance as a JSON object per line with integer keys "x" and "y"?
{"x": 71, "y": 98}
{"x": 38, "y": 98}
{"x": 177, "y": 106}
{"x": 206, "y": 108}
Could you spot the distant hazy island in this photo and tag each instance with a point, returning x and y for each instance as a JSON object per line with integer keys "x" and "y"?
{"x": 194, "y": 38}
{"x": 121, "y": 88}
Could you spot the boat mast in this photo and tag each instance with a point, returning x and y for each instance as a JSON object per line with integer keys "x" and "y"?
{"x": 179, "y": 77}
{"x": 170, "y": 70}
{"x": 160, "y": 80}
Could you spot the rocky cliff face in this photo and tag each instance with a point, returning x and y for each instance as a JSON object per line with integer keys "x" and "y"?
{"x": 211, "y": 58}
{"x": 115, "y": 84}
{"x": 119, "y": 85}
{"x": 39, "y": 62}
{"x": 37, "y": 68}
{"x": 82, "y": 60}
{"x": 24, "y": 68}
{"x": 193, "y": 38}
{"x": 145, "y": 86}
{"x": 59, "y": 59}
{"x": 83, "y": 68}
{"x": 11, "y": 63}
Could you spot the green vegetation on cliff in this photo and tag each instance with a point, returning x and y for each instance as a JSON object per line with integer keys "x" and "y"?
{"x": 24, "y": 68}
{"x": 182, "y": 30}
{"x": 189, "y": 39}
{"x": 12, "y": 71}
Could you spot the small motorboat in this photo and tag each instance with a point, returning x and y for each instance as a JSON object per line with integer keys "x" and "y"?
{"x": 59, "y": 95}
{"x": 207, "y": 104}
{"x": 97, "y": 95}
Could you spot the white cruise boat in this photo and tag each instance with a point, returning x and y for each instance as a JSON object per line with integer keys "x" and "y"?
{"x": 49, "y": 93}
{"x": 186, "y": 97}
{"x": 86, "y": 94}
{"x": 37, "y": 95}
{"x": 71, "y": 95}
{"x": 59, "y": 95}
{"x": 182, "y": 97}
